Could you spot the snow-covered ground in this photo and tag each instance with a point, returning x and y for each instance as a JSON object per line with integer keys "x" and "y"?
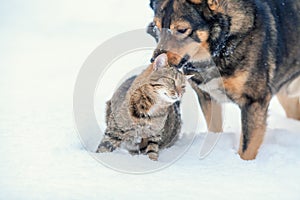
{"x": 43, "y": 45}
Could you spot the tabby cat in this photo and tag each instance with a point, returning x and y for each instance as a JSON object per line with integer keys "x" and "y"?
{"x": 143, "y": 116}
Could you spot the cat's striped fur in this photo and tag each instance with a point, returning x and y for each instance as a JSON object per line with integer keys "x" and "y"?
{"x": 143, "y": 116}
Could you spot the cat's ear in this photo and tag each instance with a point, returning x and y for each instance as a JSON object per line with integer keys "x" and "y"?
{"x": 160, "y": 61}
{"x": 189, "y": 76}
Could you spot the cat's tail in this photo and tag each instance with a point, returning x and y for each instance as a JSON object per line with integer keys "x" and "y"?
{"x": 108, "y": 144}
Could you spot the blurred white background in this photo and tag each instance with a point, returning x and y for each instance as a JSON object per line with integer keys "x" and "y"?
{"x": 42, "y": 47}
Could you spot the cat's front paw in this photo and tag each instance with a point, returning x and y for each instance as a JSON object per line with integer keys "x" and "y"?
{"x": 152, "y": 150}
{"x": 153, "y": 156}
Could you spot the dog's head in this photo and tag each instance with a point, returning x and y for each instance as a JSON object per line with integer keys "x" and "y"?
{"x": 195, "y": 30}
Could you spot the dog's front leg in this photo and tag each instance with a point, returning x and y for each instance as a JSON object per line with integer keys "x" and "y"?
{"x": 211, "y": 109}
{"x": 254, "y": 122}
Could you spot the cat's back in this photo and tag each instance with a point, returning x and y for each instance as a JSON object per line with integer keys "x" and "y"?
{"x": 116, "y": 107}
{"x": 119, "y": 96}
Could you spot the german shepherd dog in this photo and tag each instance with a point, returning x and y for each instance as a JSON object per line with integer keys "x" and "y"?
{"x": 254, "y": 44}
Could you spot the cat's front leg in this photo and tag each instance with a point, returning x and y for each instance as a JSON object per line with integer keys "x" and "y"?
{"x": 108, "y": 144}
{"x": 152, "y": 150}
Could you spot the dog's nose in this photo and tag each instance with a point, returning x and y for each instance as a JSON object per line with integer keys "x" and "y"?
{"x": 156, "y": 53}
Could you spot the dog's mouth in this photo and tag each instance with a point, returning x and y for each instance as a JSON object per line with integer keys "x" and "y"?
{"x": 184, "y": 61}
{"x": 203, "y": 71}
{"x": 189, "y": 67}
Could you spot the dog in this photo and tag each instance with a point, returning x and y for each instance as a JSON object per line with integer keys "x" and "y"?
{"x": 253, "y": 44}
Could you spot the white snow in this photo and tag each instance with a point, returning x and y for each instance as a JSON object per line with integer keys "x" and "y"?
{"x": 43, "y": 44}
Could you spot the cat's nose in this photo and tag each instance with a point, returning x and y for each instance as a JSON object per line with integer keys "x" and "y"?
{"x": 179, "y": 93}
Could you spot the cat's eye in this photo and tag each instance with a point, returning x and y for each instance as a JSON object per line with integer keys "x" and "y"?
{"x": 172, "y": 92}
{"x": 157, "y": 85}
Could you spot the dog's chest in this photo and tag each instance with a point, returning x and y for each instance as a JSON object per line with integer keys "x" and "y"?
{"x": 216, "y": 90}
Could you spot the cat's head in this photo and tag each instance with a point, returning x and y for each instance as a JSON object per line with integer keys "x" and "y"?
{"x": 167, "y": 82}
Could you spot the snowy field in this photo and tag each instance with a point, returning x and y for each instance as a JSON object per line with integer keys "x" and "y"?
{"x": 43, "y": 45}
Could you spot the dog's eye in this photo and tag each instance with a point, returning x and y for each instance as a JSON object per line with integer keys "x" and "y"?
{"x": 182, "y": 30}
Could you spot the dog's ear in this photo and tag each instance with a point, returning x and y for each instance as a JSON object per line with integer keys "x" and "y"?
{"x": 195, "y": 1}
{"x": 216, "y": 5}
{"x": 213, "y": 5}
{"x": 151, "y": 30}
{"x": 152, "y": 2}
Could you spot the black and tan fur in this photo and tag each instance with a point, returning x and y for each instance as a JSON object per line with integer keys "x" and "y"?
{"x": 143, "y": 116}
{"x": 254, "y": 44}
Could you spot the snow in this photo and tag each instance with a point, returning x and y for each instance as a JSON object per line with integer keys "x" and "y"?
{"x": 43, "y": 45}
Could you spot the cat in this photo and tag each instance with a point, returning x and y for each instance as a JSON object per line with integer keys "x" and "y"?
{"x": 143, "y": 116}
